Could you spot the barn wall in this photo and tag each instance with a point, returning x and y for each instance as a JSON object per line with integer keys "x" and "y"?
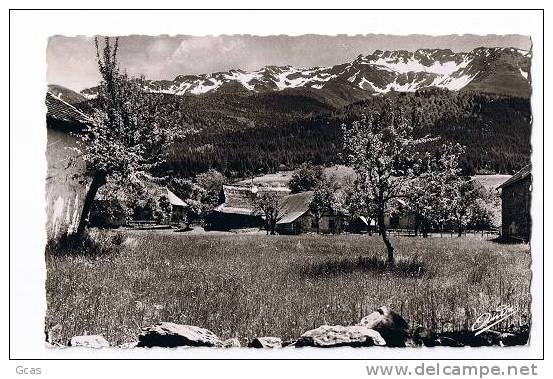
{"x": 515, "y": 210}
{"x": 403, "y": 221}
{"x": 229, "y": 221}
{"x": 330, "y": 224}
{"x": 64, "y": 194}
{"x": 302, "y": 224}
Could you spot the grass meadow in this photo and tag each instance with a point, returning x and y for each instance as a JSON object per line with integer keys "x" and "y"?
{"x": 255, "y": 285}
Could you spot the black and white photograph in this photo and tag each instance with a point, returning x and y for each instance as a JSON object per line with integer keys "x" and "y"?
{"x": 276, "y": 192}
{"x": 244, "y": 191}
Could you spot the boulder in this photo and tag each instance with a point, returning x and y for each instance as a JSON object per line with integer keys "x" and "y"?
{"x": 338, "y": 335}
{"x": 421, "y": 336}
{"x": 265, "y": 342}
{"x": 56, "y": 345}
{"x": 168, "y": 334}
{"x": 448, "y": 342}
{"x": 92, "y": 341}
{"x": 128, "y": 345}
{"x": 516, "y": 339}
{"x": 389, "y": 324}
{"x": 231, "y": 342}
{"x": 290, "y": 342}
{"x": 54, "y": 336}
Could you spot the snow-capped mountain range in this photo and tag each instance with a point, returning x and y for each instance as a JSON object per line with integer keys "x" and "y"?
{"x": 494, "y": 70}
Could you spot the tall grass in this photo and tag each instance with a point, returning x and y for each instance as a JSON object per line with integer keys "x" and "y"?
{"x": 252, "y": 285}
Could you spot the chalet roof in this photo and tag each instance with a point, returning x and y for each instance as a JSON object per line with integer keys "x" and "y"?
{"x": 241, "y": 199}
{"x": 152, "y": 190}
{"x": 525, "y": 172}
{"x": 365, "y": 221}
{"x": 60, "y": 110}
{"x": 175, "y": 200}
{"x": 233, "y": 210}
{"x": 294, "y": 206}
{"x": 156, "y": 190}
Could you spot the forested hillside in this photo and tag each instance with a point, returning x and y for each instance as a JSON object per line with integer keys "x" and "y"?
{"x": 251, "y": 134}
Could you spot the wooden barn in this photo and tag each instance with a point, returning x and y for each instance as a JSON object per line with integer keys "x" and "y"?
{"x": 238, "y": 209}
{"x": 516, "y": 199}
{"x": 294, "y": 214}
{"x": 237, "y": 212}
{"x": 112, "y": 211}
{"x": 360, "y": 224}
{"x": 295, "y": 217}
{"x": 398, "y": 216}
{"x": 177, "y": 212}
{"x": 64, "y": 191}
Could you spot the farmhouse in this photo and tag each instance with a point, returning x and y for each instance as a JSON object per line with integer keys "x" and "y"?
{"x": 109, "y": 208}
{"x": 516, "y": 196}
{"x": 398, "y": 217}
{"x": 175, "y": 206}
{"x": 295, "y": 217}
{"x": 64, "y": 191}
{"x": 177, "y": 211}
{"x": 294, "y": 214}
{"x": 360, "y": 224}
{"x": 238, "y": 212}
{"x": 238, "y": 209}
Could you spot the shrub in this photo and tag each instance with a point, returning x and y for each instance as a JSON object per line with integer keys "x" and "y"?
{"x": 101, "y": 244}
{"x": 108, "y": 214}
{"x": 404, "y": 267}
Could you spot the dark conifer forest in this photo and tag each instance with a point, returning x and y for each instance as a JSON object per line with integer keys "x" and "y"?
{"x": 245, "y": 135}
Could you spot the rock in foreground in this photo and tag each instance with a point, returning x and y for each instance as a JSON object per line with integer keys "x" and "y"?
{"x": 92, "y": 341}
{"x": 168, "y": 334}
{"x": 231, "y": 342}
{"x": 389, "y": 324}
{"x": 265, "y": 342}
{"x": 338, "y": 335}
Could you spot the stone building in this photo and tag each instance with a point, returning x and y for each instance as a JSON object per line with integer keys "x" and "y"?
{"x": 516, "y": 196}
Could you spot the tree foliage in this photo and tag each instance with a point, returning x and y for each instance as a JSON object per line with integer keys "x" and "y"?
{"x": 306, "y": 178}
{"x": 326, "y": 200}
{"x": 359, "y": 203}
{"x": 267, "y": 204}
{"x": 427, "y": 197}
{"x": 130, "y": 132}
{"x": 211, "y": 182}
{"x": 389, "y": 165}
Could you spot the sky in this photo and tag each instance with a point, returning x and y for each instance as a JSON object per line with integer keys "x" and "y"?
{"x": 71, "y": 61}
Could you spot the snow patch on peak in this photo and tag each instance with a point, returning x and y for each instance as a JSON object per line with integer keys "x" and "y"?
{"x": 392, "y": 70}
{"x": 413, "y": 65}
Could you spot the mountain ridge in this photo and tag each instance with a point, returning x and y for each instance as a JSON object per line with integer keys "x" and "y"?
{"x": 504, "y": 71}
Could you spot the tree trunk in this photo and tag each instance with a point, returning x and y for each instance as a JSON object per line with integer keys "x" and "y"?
{"x": 416, "y": 225}
{"x": 425, "y": 228}
{"x": 459, "y": 229}
{"x": 98, "y": 180}
{"x": 382, "y": 230}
